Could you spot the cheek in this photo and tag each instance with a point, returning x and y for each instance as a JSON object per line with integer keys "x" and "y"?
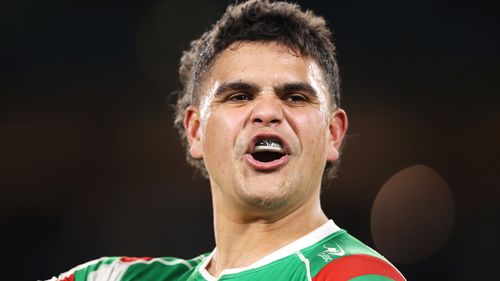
{"x": 221, "y": 128}
{"x": 310, "y": 123}
{"x": 312, "y": 130}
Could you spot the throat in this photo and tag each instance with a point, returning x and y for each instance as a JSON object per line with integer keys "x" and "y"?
{"x": 258, "y": 240}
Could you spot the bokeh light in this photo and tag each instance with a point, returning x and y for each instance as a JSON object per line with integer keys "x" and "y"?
{"x": 413, "y": 215}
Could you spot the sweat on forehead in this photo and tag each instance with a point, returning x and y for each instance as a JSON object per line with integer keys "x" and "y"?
{"x": 233, "y": 55}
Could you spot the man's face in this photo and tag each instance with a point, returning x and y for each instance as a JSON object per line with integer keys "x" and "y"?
{"x": 264, "y": 126}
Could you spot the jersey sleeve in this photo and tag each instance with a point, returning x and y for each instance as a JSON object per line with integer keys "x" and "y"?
{"x": 107, "y": 267}
{"x": 359, "y": 267}
{"x": 130, "y": 268}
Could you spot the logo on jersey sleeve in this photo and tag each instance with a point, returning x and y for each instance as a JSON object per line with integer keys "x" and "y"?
{"x": 331, "y": 250}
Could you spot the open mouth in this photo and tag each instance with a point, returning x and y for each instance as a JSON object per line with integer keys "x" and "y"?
{"x": 268, "y": 150}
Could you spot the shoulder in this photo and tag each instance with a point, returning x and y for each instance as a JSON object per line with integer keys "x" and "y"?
{"x": 359, "y": 267}
{"x": 126, "y": 268}
{"x": 343, "y": 257}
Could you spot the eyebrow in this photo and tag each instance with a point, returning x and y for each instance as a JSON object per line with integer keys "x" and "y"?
{"x": 235, "y": 86}
{"x": 295, "y": 87}
{"x": 281, "y": 88}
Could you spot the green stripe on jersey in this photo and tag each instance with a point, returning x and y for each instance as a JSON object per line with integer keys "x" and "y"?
{"x": 161, "y": 269}
{"x": 371, "y": 277}
{"x": 82, "y": 272}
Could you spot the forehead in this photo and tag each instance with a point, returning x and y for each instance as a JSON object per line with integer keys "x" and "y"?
{"x": 262, "y": 63}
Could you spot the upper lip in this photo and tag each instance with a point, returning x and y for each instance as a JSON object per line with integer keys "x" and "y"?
{"x": 267, "y": 135}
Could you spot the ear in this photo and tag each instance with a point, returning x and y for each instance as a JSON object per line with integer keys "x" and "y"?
{"x": 192, "y": 125}
{"x": 338, "y": 128}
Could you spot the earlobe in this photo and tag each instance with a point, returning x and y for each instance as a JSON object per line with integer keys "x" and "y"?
{"x": 192, "y": 126}
{"x": 338, "y": 128}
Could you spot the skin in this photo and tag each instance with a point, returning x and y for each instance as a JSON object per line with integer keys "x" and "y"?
{"x": 263, "y": 88}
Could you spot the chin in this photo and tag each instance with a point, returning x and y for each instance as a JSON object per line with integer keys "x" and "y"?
{"x": 267, "y": 199}
{"x": 268, "y": 203}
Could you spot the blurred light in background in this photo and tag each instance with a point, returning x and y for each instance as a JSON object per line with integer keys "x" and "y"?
{"x": 413, "y": 215}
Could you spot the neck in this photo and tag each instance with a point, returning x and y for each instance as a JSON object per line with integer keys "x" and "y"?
{"x": 236, "y": 233}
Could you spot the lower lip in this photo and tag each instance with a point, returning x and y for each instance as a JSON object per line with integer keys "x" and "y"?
{"x": 266, "y": 166}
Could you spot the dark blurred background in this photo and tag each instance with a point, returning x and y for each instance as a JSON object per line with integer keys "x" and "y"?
{"x": 91, "y": 165}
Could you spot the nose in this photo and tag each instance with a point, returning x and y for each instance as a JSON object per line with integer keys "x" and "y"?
{"x": 267, "y": 111}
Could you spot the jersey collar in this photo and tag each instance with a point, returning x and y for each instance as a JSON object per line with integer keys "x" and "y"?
{"x": 305, "y": 241}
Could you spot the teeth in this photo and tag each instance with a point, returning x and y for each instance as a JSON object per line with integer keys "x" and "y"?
{"x": 269, "y": 142}
{"x": 268, "y": 145}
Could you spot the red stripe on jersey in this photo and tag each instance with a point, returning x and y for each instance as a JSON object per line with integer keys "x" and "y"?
{"x": 349, "y": 267}
{"x": 132, "y": 259}
{"x": 69, "y": 278}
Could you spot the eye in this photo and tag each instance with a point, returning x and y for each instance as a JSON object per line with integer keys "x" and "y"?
{"x": 239, "y": 97}
{"x": 296, "y": 98}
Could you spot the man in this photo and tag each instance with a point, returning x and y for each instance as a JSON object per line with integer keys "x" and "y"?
{"x": 259, "y": 111}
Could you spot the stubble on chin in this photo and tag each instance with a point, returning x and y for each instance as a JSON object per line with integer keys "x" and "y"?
{"x": 263, "y": 194}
